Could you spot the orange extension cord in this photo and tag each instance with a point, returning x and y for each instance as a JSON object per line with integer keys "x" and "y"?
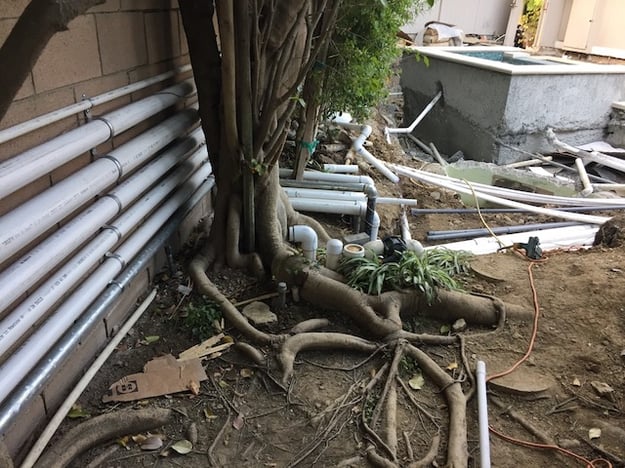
{"x": 597, "y": 462}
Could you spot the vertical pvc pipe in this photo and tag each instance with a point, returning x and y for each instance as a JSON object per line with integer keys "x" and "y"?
{"x": 482, "y": 405}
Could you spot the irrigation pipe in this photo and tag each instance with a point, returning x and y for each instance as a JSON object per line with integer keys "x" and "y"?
{"x": 470, "y": 233}
{"x": 424, "y": 211}
{"x": 37, "y": 449}
{"x": 500, "y": 201}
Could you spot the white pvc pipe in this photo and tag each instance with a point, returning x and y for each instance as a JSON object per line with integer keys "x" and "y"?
{"x": 482, "y": 405}
{"x": 329, "y": 177}
{"x": 550, "y": 239}
{"x": 31, "y": 267}
{"x": 334, "y": 247}
{"x": 500, "y": 201}
{"x": 375, "y": 226}
{"x": 21, "y": 362}
{"x": 307, "y": 237}
{"x": 293, "y": 192}
{"x": 316, "y": 205}
{"x": 341, "y": 168}
{"x": 583, "y": 177}
{"x": 396, "y": 201}
{"x": 405, "y": 227}
{"x": 86, "y": 104}
{"x": 416, "y": 121}
{"x": 357, "y": 146}
{"x": 60, "y": 414}
{"x": 33, "y": 217}
{"x": 520, "y": 195}
{"x": 31, "y": 310}
{"x": 40, "y": 160}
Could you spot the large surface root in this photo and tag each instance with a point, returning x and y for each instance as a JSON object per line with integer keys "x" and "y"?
{"x": 101, "y": 429}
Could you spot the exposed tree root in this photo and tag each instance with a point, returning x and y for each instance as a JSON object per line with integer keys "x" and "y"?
{"x": 309, "y": 325}
{"x": 430, "y": 456}
{"x": 377, "y": 460}
{"x": 457, "y": 452}
{"x": 101, "y": 429}
{"x": 306, "y": 341}
{"x": 251, "y": 352}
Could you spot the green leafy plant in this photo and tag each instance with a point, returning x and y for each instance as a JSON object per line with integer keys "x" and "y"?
{"x": 434, "y": 269}
{"x": 200, "y": 318}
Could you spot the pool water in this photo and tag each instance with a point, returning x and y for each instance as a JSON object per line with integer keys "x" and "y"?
{"x": 500, "y": 56}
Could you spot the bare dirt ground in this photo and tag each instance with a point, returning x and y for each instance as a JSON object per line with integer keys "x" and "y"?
{"x": 243, "y": 416}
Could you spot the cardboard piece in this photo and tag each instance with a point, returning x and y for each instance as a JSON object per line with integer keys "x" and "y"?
{"x": 160, "y": 376}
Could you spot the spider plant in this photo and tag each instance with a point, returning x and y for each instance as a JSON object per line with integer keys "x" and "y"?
{"x": 434, "y": 269}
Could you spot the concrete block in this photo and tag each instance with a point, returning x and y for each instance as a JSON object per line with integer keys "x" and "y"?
{"x": 161, "y": 31}
{"x": 122, "y": 41}
{"x": 69, "y": 57}
{"x": 126, "y": 303}
{"x": 20, "y": 436}
{"x": 359, "y": 238}
{"x": 12, "y": 8}
{"x": 102, "y": 85}
{"x": 5, "y": 28}
{"x": 107, "y": 6}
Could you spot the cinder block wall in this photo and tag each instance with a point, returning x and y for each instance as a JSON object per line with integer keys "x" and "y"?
{"x": 114, "y": 44}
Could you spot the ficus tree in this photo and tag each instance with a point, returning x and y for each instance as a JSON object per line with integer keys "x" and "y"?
{"x": 255, "y": 62}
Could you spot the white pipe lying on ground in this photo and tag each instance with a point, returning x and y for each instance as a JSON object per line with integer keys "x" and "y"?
{"x": 33, "y": 217}
{"x": 341, "y": 168}
{"x": 31, "y": 267}
{"x": 18, "y": 171}
{"x": 396, "y": 201}
{"x": 520, "y": 195}
{"x": 590, "y": 156}
{"x": 307, "y": 237}
{"x": 550, "y": 239}
{"x": 20, "y": 363}
{"x": 31, "y": 310}
{"x": 85, "y": 105}
{"x": 482, "y": 405}
{"x": 418, "y": 175}
{"x": 583, "y": 177}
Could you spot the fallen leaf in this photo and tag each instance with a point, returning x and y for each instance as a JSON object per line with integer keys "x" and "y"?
{"x": 594, "y": 433}
{"x": 182, "y": 447}
{"x": 223, "y": 384}
{"x": 151, "y": 339}
{"x": 227, "y": 339}
{"x": 139, "y": 439}
{"x": 576, "y": 382}
{"x": 245, "y": 372}
{"x": 416, "y": 382}
{"x": 444, "y": 329}
{"x": 452, "y": 366}
{"x": 123, "y": 441}
{"x": 78, "y": 411}
{"x": 208, "y": 414}
{"x": 152, "y": 443}
{"x": 238, "y": 422}
{"x": 194, "y": 387}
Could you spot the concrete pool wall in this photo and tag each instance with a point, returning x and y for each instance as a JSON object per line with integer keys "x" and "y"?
{"x": 489, "y": 106}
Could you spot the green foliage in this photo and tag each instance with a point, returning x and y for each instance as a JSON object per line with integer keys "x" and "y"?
{"x": 434, "y": 269}
{"x": 530, "y": 18}
{"x": 200, "y": 318}
{"x": 361, "y": 53}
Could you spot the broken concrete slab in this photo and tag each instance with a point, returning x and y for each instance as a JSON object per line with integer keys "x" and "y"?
{"x": 259, "y": 313}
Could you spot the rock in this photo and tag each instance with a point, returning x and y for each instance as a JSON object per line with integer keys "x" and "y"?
{"x": 435, "y": 195}
{"x": 259, "y": 313}
{"x": 602, "y": 389}
{"x": 459, "y": 325}
{"x": 524, "y": 381}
